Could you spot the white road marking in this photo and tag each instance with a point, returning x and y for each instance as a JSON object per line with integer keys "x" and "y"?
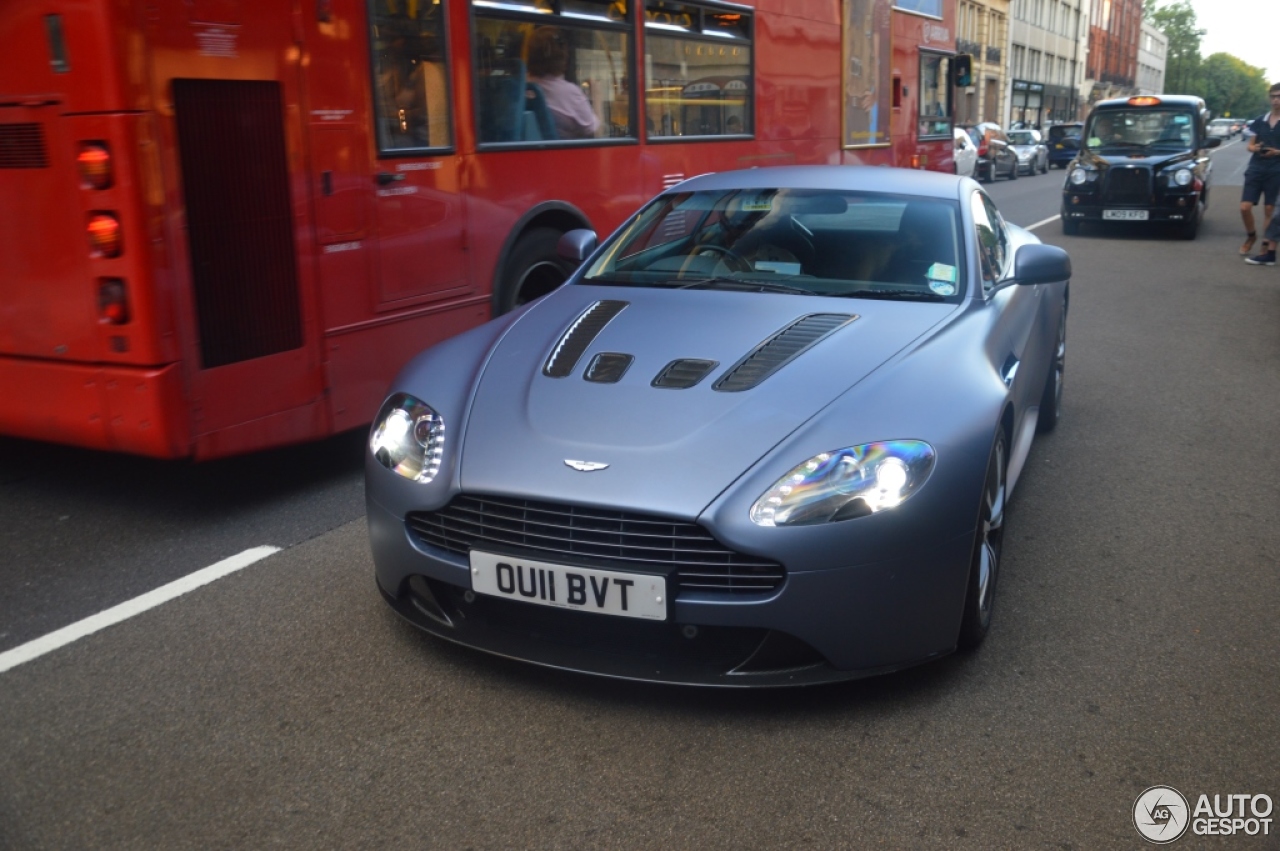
{"x": 62, "y": 637}
{"x": 1042, "y": 222}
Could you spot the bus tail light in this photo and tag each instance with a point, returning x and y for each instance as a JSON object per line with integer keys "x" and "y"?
{"x": 105, "y": 238}
{"x": 113, "y": 301}
{"x": 94, "y": 161}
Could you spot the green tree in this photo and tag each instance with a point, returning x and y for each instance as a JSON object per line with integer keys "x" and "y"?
{"x": 1182, "y": 72}
{"x": 1233, "y": 87}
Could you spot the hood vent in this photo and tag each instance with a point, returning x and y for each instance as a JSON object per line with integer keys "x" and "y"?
{"x": 684, "y": 373}
{"x": 565, "y": 356}
{"x": 774, "y": 353}
{"x": 608, "y": 367}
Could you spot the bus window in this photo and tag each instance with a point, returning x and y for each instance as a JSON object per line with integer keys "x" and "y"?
{"x": 935, "y": 107}
{"x": 699, "y": 71}
{"x": 552, "y": 77}
{"x": 411, "y": 86}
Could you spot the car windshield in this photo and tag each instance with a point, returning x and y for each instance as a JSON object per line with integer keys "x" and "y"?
{"x": 1061, "y": 131}
{"x": 1022, "y": 137}
{"x": 771, "y": 240}
{"x": 1118, "y": 130}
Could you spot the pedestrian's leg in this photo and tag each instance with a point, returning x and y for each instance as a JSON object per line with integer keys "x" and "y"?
{"x": 1250, "y": 234}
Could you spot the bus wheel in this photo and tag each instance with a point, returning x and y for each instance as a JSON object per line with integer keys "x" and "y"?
{"x": 533, "y": 269}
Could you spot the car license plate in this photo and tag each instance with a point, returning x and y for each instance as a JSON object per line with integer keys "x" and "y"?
{"x": 1130, "y": 215}
{"x": 606, "y": 592}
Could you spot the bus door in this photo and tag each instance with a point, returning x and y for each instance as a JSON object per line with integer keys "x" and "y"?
{"x": 385, "y": 187}
{"x": 418, "y": 207}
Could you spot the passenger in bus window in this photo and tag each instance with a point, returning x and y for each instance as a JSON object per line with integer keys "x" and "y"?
{"x": 733, "y": 125}
{"x": 547, "y": 64}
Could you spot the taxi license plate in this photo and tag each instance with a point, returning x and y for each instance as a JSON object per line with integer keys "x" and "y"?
{"x": 606, "y": 592}
{"x": 1129, "y": 215}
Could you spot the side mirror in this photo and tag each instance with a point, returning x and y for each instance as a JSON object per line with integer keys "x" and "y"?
{"x": 577, "y": 245}
{"x": 1041, "y": 264}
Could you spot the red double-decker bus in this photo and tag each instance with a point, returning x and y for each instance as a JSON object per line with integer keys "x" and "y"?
{"x": 225, "y": 224}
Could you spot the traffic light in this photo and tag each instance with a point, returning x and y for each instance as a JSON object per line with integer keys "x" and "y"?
{"x": 964, "y": 70}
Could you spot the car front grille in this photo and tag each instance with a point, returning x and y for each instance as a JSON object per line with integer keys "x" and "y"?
{"x": 1127, "y": 186}
{"x": 594, "y": 537}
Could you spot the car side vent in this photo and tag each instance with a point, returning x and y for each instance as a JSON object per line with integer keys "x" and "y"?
{"x": 571, "y": 347}
{"x": 684, "y": 373}
{"x": 774, "y": 353}
{"x": 608, "y": 367}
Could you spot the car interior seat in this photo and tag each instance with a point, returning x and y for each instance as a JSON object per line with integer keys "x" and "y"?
{"x": 926, "y": 236}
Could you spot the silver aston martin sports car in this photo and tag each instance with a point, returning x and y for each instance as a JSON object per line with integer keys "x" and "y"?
{"x": 764, "y": 436}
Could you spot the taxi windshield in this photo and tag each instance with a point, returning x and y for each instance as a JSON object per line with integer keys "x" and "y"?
{"x": 1140, "y": 128}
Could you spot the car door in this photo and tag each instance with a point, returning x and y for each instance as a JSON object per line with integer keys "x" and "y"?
{"x": 1014, "y": 331}
{"x": 1001, "y": 152}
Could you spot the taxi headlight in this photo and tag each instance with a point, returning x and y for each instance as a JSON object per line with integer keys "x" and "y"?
{"x": 846, "y": 483}
{"x": 1078, "y": 176}
{"x": 1183, "y": 177}
{"x": 408, "y": 438}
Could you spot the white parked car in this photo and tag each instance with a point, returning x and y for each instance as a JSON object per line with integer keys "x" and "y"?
{"x": 1222, "y": 128}
{"x": 966, "y": 154}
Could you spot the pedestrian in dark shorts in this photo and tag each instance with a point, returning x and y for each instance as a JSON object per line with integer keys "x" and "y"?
{"x": 1262, "y": 177}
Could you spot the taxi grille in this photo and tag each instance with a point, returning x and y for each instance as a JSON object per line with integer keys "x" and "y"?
{"x": 1128, "y": 186}
{"x": 595, "y": 537}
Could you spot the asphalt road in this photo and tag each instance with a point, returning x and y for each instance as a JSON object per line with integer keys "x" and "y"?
{"x": 285, "y": 706}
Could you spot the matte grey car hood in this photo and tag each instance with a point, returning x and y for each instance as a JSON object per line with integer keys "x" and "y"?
{"x": 667, "y": 450}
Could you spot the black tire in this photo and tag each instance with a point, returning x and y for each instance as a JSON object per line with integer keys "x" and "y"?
{"x": 1070, "y": 227}
{"x": 988, "y": 174}
{"x": 1189, "y": 228}
{"x": 1013, "y": 172}
{"x": 1051, "y": 398}
{"x": 533, "y": 269}
{"x": 1045, "y": 169}
{"x": 984, "y": 567}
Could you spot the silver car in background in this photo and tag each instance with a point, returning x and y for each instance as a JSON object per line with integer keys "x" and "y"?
{"x": 1033, "y": 153}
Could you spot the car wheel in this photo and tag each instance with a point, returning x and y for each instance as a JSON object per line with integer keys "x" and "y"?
{"x": 1070, "y": 227}
{"x": 1051, "y": 399}
{"x": 533, "y": 269}
{"x": 1044, "y": 167}
{"x": 1013, "y": 172}
{"x": 984, "y": 568}
{"x": 1189, "y": 228}
{"x": 988, "y": 174}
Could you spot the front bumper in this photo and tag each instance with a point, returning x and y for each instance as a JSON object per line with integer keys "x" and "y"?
{"x": 818, "y": 626}
{"x": 1090, "y": 208}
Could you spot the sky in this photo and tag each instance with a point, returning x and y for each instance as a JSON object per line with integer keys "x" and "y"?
{"x": 1248, "y": 29}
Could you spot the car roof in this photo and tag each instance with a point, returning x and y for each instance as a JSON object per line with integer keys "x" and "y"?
{"x": 904, "y": 181}
{"x": 1184, "y": 101}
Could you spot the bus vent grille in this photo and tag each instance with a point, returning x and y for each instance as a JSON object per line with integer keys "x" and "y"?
{"x": 240, "y": 225}
{"x": 22, "y": 146}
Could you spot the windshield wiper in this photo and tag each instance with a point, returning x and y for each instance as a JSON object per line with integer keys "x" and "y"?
{"x": 739, "y": 284}
{"x": 894, "y": 295}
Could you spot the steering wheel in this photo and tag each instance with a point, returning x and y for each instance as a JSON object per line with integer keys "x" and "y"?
{"x": 731, "y": 259}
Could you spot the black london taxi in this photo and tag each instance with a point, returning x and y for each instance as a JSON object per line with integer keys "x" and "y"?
{"x": 1141, "y": 159}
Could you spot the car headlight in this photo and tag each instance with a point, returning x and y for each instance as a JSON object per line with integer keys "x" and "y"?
{"x": 1079, "y": 176}
{"x": 1183, "y": 177}
{"x": 408, "y": 438}
{"x": 846, "y": 483}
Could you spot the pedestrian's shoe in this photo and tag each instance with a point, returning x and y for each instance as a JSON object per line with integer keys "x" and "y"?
{"x": 1266, "y": 258}
{"x": 1248, "y": 242}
